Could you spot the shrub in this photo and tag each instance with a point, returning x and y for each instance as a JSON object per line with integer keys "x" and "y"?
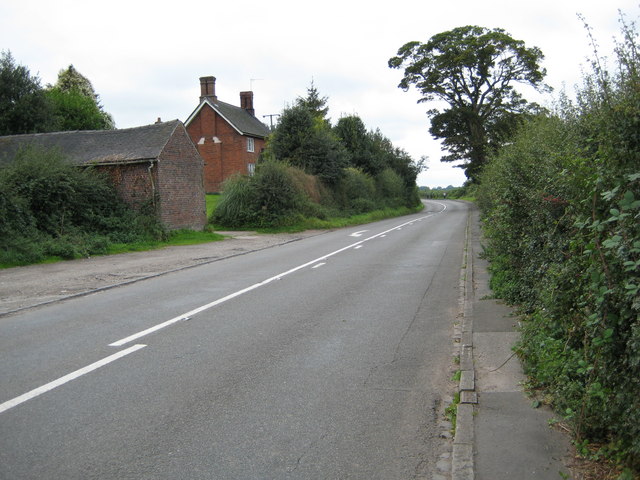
{"x": 561, "y": 212}
{"x": 271, "y": 198}
{"x": 276, "y": 194}
{"x": 236, "y": 207}
{"x": 390, "y": 188}
{"x": 49, "y": 207}
{"x": 355, "y": 192}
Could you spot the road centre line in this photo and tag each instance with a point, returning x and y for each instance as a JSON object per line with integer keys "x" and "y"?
{"x": 191, "y": 313}
{"x": 67, "y": 378}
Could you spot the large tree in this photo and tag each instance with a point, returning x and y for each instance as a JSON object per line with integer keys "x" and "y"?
{"x": 77, "y": 105}
{"x": 353, "y": 134}
{"x": 313, "y": 102}
{"x": 306, "y": 141}
{"x": 474, "y": 70}
{"x": 24, "y": 107}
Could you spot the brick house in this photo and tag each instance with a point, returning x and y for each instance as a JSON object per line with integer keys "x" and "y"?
{"x": 155, "y": 164}
{"x": 229, "y": 138}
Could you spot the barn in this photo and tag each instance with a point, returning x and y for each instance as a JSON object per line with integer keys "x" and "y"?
{"x": 155, "y": 164}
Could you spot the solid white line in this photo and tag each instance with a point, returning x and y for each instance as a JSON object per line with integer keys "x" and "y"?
{"x": 191, "y": 313}
{"x": 67, "y": 378}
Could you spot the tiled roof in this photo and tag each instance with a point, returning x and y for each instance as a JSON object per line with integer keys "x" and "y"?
{"x": 238, "y": 118}
{"x": 127, "y": 145}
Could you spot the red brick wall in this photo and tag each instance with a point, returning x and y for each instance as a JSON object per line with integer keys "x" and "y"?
{"x": 177, "y": 179}
{"x": 131, "y": 181}
{"x": 180, "y": 185}
{"x": 221, "y": 160}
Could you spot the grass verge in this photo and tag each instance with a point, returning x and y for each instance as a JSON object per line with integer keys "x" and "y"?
{"x": 176, "y": 238}
{"x": 336, "y": 222}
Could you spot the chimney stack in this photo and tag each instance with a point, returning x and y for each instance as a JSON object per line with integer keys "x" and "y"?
{"x": 246, "y": 102}
{"x": 208, "y": 88}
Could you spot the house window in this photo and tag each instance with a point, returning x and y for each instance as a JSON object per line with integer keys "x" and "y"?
{"x": 250, "y": 145}
{"x": 251, "y": 167}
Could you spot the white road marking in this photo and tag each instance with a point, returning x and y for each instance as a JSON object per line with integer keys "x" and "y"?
{"x": 357, "y": 247}
{"x": 279, "y": 276}
{"x": 319, "y": 265}
{"x": 358, "y": 234}
{"x": 67, "y": 378}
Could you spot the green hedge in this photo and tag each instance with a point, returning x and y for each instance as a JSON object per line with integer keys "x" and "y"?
{"x": 50, "y": 208}
{"x": 280, "y": 195}
{"x": 561, "y": 213}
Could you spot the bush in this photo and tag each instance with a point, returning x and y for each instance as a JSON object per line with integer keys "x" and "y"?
{"x": 49, "y": 207}
{"x": 355, "y": 192}
{"x": 561, "y": 213}
{"x": 236, "y": 207}
{"x": 271, "y": 198}
{"x": 390, "y": 188}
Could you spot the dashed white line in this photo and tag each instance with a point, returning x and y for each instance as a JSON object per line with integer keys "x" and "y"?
{"x": 67, "y": 378}
{"x": 193, "y": 312}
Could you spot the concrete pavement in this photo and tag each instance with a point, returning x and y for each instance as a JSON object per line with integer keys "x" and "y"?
{"x": 499, "y": 434}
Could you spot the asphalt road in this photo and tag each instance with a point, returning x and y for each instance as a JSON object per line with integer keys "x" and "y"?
{"x": 325, "y": 358}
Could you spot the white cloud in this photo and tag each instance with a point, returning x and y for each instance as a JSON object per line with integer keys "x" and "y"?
{"x": 145, "y": 57}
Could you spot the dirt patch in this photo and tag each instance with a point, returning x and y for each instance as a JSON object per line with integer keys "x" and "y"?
{"x": 34, "y": 285}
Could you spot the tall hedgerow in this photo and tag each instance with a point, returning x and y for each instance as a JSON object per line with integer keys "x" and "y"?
{"x": 561, "y": 209}
{"x": 49, "y": 207}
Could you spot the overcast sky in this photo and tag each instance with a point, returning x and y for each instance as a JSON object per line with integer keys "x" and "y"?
{"x": 144, "y": 57}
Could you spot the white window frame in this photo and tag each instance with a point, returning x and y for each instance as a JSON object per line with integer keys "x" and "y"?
{"x": 251, "y": 146}
{"x": 251, "y": 169}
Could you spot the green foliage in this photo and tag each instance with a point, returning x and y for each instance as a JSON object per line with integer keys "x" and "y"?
{"x": 561, "y": 210}
{"x": 336, "y": 171}
{"x": 314, "y": 103}
{"x": 354, "y": 136}
{"x": 270, "y": 198}
{"x": 72, "y": 80}
{"x": 236, "y": 207}
{"x": 75, "y": 111}
{"x": 23, "y": 106}
{"x": 51, "y": 208}
{"x": 307, "y": 142}
{"x": 76, "y": 104}
{"x": 356, "y": 192}
{"x": 390, "y": 187}
{"x": 474, "y": 70}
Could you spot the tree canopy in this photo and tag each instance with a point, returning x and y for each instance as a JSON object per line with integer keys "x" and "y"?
{"x": 307, "y": 142}
{"x": 77, "y": 105}
{"x": 27, "y": 107}
{"x": 313, "y": 102}
{"x": 23, "y": 105}
{"x": 474, "y": 70}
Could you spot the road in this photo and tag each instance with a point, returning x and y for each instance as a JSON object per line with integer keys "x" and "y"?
{"x": 326, "y": 358}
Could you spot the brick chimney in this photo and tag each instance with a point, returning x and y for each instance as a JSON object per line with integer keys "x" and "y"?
{"x": 208, "y": 88}
{"x": 246, "y": 102}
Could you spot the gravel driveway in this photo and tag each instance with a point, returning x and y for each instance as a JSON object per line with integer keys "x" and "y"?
{"x": 31, "y": 286}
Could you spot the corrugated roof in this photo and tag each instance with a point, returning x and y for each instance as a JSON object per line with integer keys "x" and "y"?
{"x": 125, "y": 145}
{"x": 239, "y": 118}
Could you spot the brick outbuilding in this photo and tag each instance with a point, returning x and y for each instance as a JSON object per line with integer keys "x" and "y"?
{"x": 229, "y": 138}
{"x": 155, "y": 164}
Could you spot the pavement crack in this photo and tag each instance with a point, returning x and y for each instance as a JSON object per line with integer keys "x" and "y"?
{"x": 306, "y": 451}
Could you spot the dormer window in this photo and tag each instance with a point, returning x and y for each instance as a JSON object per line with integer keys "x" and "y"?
{"x": 250, "y": 145}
